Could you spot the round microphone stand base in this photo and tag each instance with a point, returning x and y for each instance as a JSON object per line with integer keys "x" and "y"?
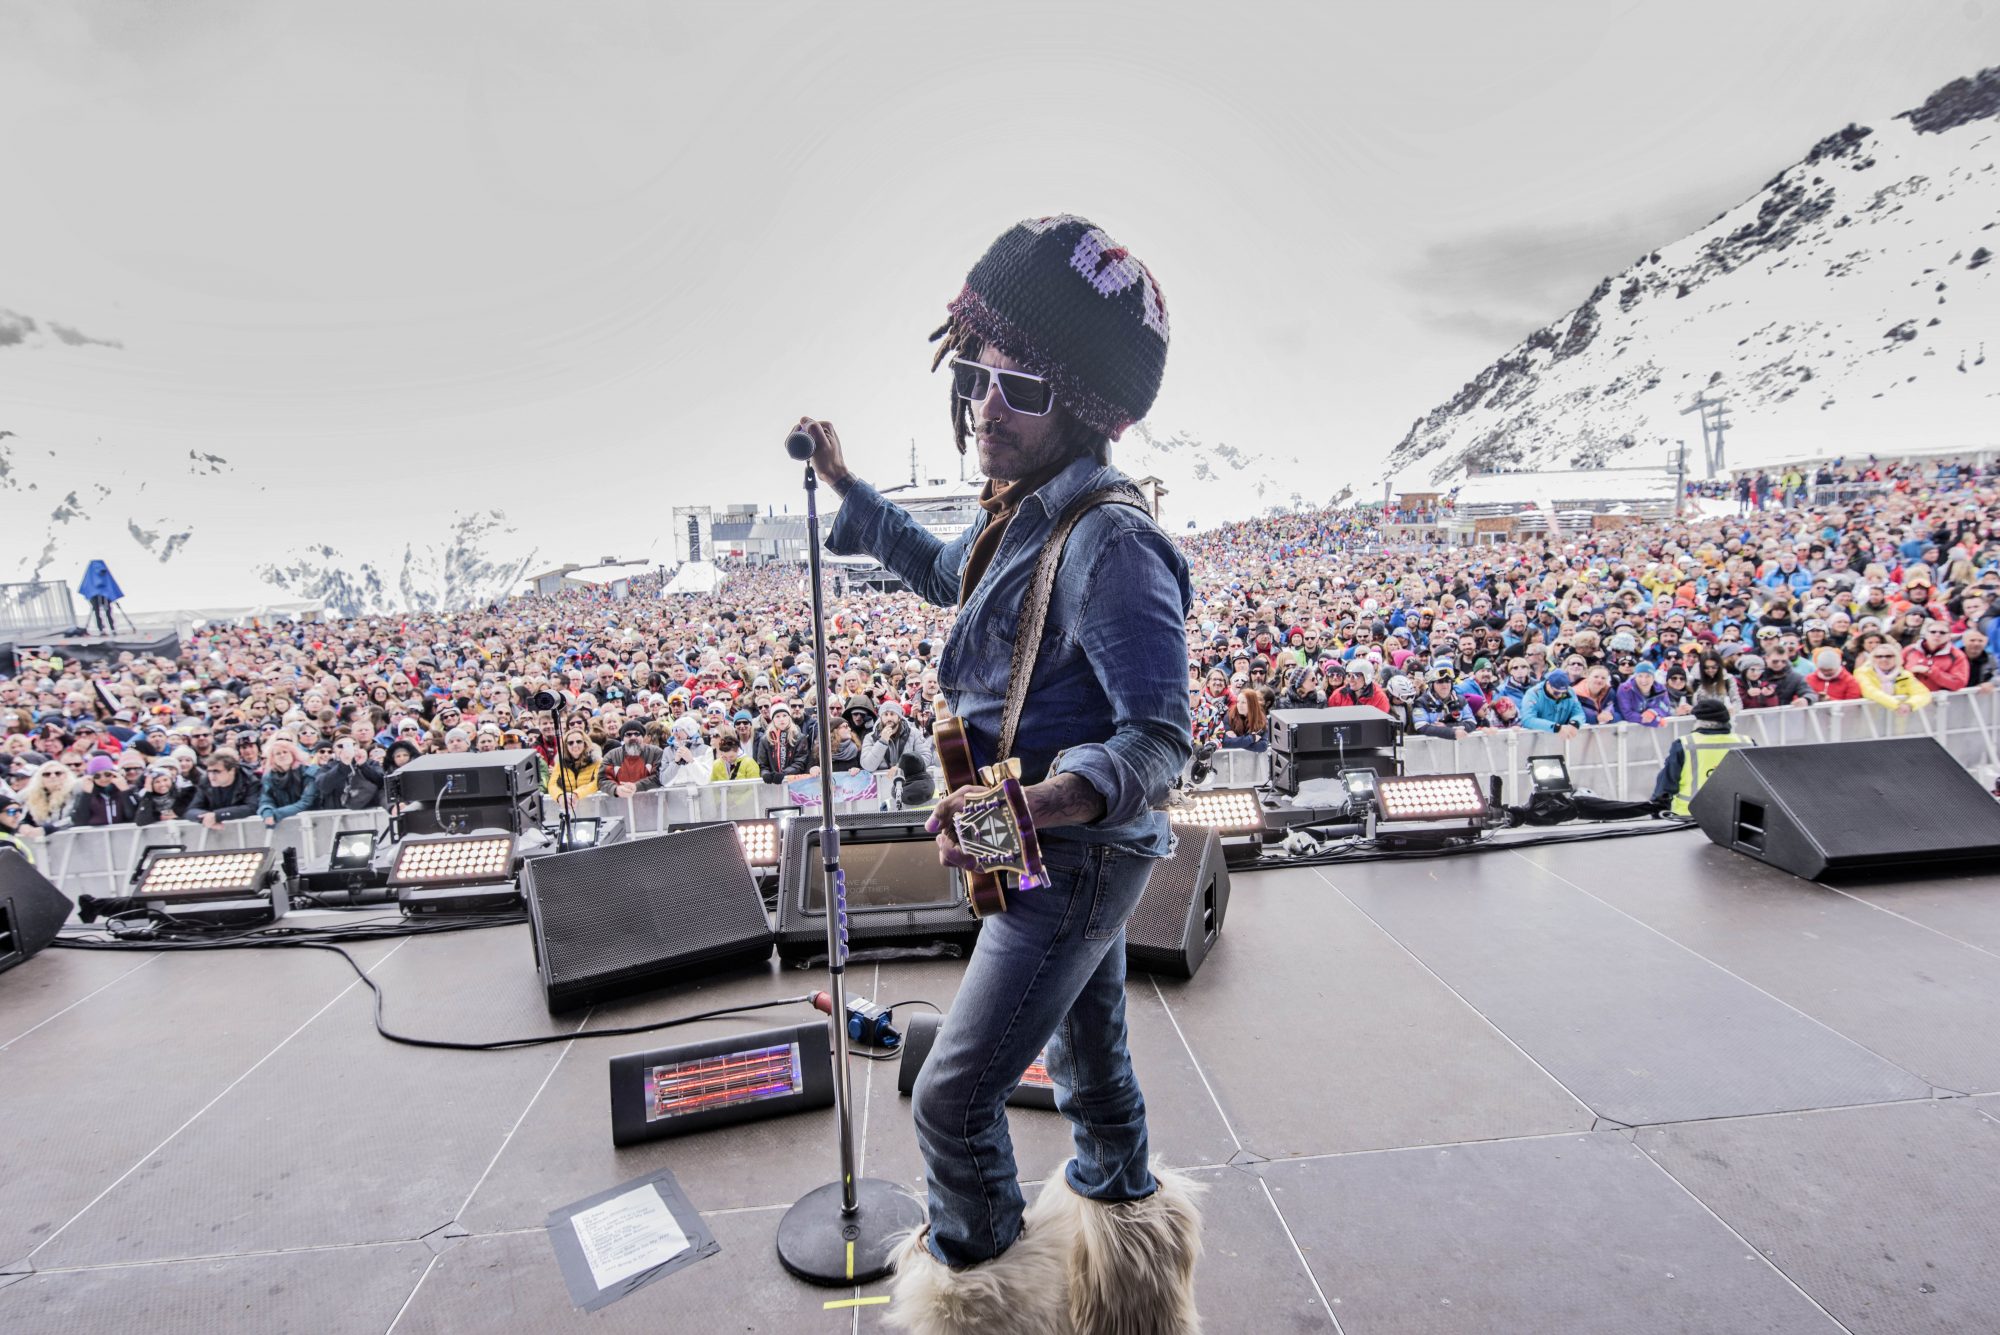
{"x": 822, "y": 1245}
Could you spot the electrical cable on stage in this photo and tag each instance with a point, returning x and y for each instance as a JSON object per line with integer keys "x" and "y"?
{"x": 278, "y": 938}
{"x": 1350, "y": 852}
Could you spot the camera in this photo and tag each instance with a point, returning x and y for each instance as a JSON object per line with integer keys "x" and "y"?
{"x": 547, "y": 702}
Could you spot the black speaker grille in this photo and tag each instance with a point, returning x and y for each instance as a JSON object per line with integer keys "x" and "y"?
{"x": 32, "y": 910}
{"x": 627, "y": 915}
{"x": 1877, "y": 800}
{"x": 1168, "y": 931}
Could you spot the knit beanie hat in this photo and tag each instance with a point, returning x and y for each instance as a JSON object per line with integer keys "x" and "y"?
{"x": 1708, "y": 709}
{"x": 1068, "y": 303}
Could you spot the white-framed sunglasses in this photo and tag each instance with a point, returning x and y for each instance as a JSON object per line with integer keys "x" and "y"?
{"x": 1029, "y": 395}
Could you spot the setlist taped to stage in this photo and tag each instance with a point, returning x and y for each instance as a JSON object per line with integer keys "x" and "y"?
{"x": 628, "y": 1234}
{"x": 618, "y": 1241}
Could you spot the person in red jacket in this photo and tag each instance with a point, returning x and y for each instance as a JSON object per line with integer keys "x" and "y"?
{"x": 1830, "y": 679}
{"x": 1936, "y": 661}
{"x": 1360, "y": 688}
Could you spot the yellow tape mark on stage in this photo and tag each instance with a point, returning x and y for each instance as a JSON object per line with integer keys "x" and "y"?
{"x": 850, "y": 1258}
{"x": 855, "y": 1302}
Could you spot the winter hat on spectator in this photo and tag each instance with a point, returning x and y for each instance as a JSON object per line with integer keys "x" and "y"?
{"x": 632, "y": 726}
{"x": 100, "y": 765}
{"x": 1067, "y": 302}
{"x": 1827, "y": 661}
{"x": 1708, "y": 709}
{"x": 1557, "y": 680}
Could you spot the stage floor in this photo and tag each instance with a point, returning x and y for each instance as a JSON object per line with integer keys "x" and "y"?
{"x": 1626, "y": 1086}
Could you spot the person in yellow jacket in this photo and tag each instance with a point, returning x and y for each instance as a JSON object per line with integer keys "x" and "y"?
{"x": 730, "y": 762}
{"x": 1883, "y": 678}
{"x": 578, "y": 763}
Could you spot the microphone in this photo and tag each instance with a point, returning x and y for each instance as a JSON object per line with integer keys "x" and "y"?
{"x": 799, "y": 444}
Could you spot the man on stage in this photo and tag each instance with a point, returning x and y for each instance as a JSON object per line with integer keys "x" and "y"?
{"x": 1056, "y": 344}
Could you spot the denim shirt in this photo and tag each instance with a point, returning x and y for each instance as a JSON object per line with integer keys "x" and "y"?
{"x": 1108, "y": 699}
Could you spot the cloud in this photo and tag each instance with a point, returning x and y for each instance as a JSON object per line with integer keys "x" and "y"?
{"x": 17, "y": 330}
{"x": 1497, "y": 286}
{"x": 76, "y": 338}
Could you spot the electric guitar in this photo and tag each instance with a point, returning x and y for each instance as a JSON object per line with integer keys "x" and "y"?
{"x": 994, "y": 828}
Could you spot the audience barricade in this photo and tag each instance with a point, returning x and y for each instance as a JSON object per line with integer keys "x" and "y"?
{"x": 98, "y": 861}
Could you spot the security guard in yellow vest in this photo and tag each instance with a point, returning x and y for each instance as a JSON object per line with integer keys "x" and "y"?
{"x": 1690, "y": 760}
{"x": 16, "y": 844}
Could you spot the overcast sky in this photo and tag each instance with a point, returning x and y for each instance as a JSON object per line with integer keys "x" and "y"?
{"x": 597, "y": 256}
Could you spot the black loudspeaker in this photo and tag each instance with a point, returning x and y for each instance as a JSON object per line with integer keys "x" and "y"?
{"x": 1849, "y": 807}
{"x": 1289, "y": 771}
{"x": 1180, "y": 916}
{"x": 32, "y": 910}
{"x": 1343, "y": 727}
{"x": 631, "y": 916}
{"x": 898, "y": 893}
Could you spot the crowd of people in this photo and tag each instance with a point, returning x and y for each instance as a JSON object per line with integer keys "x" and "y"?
{"x": 1886, "y": 591}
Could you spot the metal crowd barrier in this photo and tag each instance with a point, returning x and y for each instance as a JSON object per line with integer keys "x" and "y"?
{"x": 1621, "y": 760}
{"x": 99, "y": 860}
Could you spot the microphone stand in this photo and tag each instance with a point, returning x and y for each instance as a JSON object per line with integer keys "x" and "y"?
{"x": 837, "y": 1234}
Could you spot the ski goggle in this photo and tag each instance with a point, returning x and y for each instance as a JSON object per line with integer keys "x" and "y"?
{"x": 1029, "y": 395}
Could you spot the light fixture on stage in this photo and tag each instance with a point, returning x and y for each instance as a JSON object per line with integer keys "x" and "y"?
{"x": 234, "y": 885}
{"x": 760, "y": 842}
{"x": 1550, "y": 774}
{"x": 582, "y": 832}
{"x": 1420, "y": 809}
{"x": 462, "y": 873}
{"x": 1360, "y": 786}
{"x": 352, "y": 850}
{"x": 1236, "y": 816}
{"x": 1430, "y": 797}
{"x": 693, "y": 1086}
{"x": 350, "y": 870}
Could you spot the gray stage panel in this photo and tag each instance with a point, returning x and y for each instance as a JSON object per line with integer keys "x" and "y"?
{"x": 1568, "y": 1235}
{"x": 562, "y": 1150}
{"x": 1182, "y": 1119}
{"x": 1321, "y": 1034}
{"x": 355, "y": 1290}
{"x": 1641, "y": 1029}
{"x": 341, "y": 1136}
{"x": 1923, "y": 1001}
{"x": 1885, "y": 1215}
{"x": 510, "y": 1282}
{"x": 1964, "y": 907}
{"x": 36, "y": 989}
{"x": 90, "y": 1092}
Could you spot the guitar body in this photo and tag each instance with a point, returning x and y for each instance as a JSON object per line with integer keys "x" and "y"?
{"x": 994, "y": 828}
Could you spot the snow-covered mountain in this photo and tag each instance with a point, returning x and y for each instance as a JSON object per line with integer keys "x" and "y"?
{"x": 1847, "y": 307}
{"x": 183, "y": 535}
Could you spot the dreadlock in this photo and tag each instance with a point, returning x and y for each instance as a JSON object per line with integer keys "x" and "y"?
{"x": 961, "y": 341}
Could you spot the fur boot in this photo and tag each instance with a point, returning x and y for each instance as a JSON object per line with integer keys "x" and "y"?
{"x": 1022, "y": 1291}
{"x": 1132, "y": 1271}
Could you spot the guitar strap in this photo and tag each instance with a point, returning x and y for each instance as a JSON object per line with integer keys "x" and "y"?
{"x": 1035, "y": 607}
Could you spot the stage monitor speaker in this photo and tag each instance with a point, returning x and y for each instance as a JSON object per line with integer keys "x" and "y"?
{"x": 1341, "y": 728}
{"x": 1289, "y": 771}
{"x": 1837, "y": 807}
{"x": 1180, "y": 915}
{"x": 631, "y": 916}
{"x": 898, "y": 893}
{"x": 32, "y": 910}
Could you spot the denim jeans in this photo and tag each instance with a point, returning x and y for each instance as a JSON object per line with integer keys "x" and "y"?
{"x": 1049, "y": 971}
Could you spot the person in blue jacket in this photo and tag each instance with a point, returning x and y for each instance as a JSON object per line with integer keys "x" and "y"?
{"x": 288, "y": 782}
{"x": 1550, "y": 707}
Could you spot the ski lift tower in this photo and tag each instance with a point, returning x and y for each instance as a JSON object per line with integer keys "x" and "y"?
{"x": 1714, "y": 421}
